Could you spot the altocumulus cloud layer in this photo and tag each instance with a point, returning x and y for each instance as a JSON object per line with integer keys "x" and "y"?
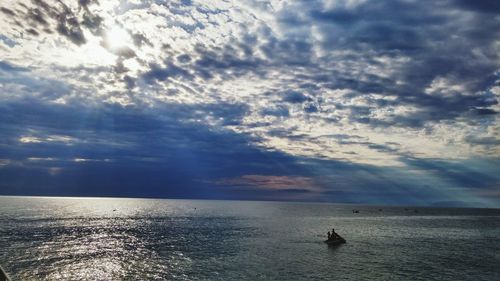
{"x": 347, "y": 101}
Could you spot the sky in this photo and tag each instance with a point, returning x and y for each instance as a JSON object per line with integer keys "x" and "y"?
{"x": 352, "y": 101}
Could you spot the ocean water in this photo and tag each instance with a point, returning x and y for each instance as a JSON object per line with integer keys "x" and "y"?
{"x": 142, "y": 239}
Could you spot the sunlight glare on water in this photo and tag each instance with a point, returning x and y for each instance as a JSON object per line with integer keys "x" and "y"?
{"x": 130, "y": 239}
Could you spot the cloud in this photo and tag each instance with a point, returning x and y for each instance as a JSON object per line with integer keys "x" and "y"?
{"x": 161, "y": 74}
{"x": 295, "y": 97}
{"x": 64, "y": 19}
{"x": 487, "y": 6}
{"x": 7, "y": 11}
{"x": 287, "y": 183}
{"x": 366, "y": 86}
{"x": 276, "y": 110}
{"x": 51, "y": 138}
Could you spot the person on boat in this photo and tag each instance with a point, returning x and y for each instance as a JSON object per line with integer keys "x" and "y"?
{"x": 329, "y": 236}
{"x": 334, "y": 234}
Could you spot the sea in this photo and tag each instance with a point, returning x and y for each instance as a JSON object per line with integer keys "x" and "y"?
{"x": 45, "y": 238}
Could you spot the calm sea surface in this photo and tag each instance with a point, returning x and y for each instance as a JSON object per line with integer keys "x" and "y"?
{"x": 136, "y": 239}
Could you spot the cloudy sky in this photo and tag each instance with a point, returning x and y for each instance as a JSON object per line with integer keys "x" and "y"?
{"x": 382, "y": 102}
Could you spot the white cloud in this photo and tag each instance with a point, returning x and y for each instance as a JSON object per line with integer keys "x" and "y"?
{"x": 30, "y": 140}
{"x": 250, "y": 53}
{"x": 51, "y": 138}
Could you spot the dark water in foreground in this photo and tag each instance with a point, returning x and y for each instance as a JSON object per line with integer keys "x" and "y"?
{"x": 133, "y": 239}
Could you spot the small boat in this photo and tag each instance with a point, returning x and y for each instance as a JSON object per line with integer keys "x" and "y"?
{"x": 335, "y": 242}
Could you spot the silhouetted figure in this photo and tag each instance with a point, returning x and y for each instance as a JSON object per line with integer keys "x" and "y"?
{"x": 334, "y": 239}
{"x": 334, "y": 234}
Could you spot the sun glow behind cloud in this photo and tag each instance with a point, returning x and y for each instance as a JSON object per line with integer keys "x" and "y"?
{"x": 326, "y": 80}
{"x": 117, "y": 38}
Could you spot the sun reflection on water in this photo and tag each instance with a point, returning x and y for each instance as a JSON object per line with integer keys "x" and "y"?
{"x": 127, "y": 239}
